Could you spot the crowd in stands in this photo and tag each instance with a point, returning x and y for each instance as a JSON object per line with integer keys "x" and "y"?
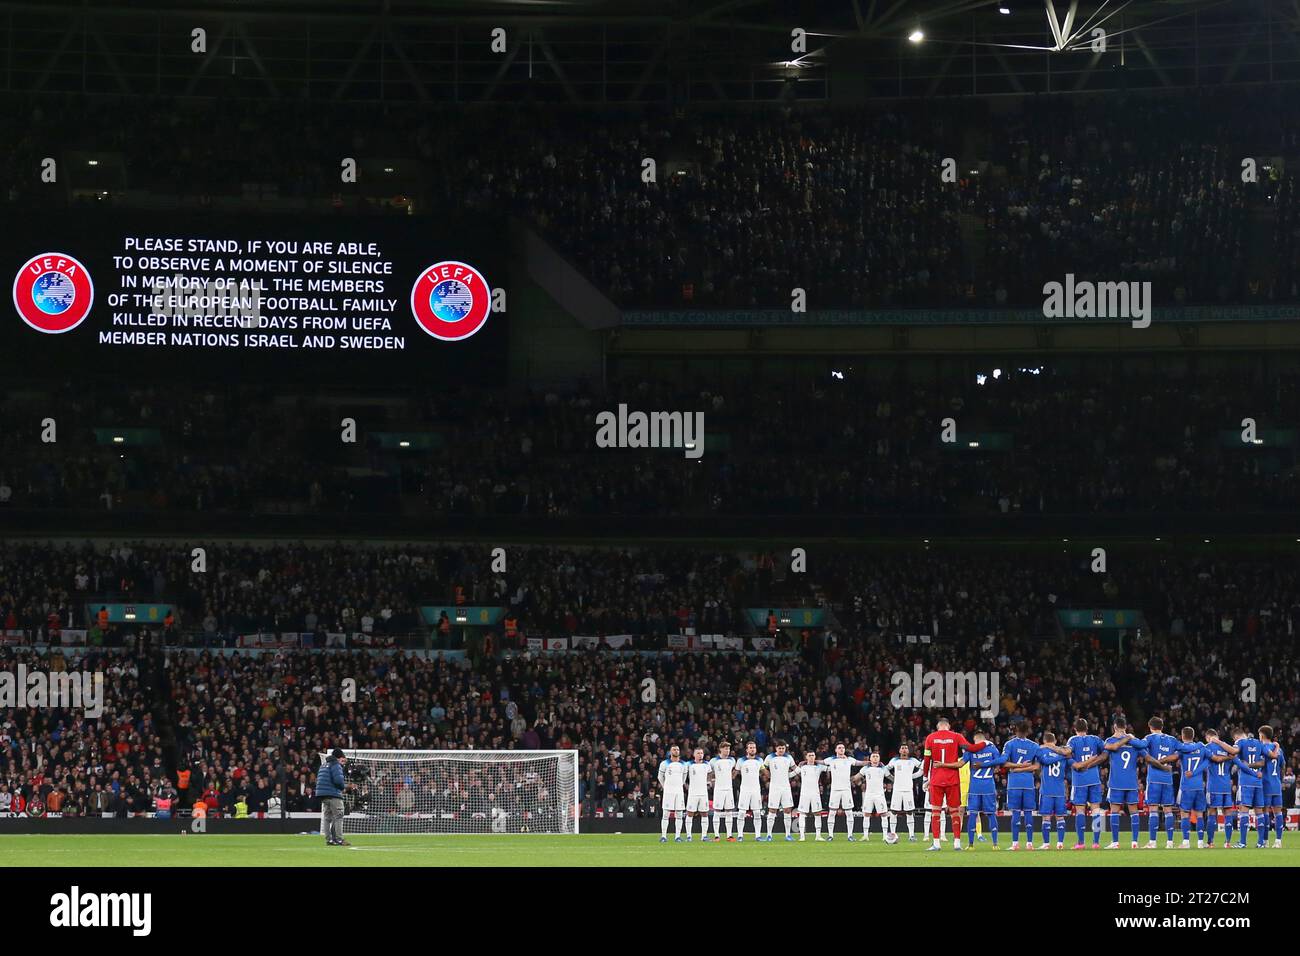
{"x": 1212, "y": 622}
{"x": 1149, "y": 192}
{"x": 247, "y": 729}
{"x": 646, "y": 592}
{"x": 375, "y": 591}
{"x": 1135, "y": 444}
{"x": 848, "y": 205}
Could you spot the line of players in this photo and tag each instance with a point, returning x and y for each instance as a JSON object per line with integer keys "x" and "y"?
{"x": 1204, "y": 801}
{"x": 686, "y": 792}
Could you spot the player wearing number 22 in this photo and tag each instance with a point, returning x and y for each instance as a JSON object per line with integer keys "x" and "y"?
{"x": 983, "y": 794}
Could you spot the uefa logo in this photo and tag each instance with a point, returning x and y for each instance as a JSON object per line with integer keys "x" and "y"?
{"x": 53, "y": 293}
{"x": 451, "y": 300}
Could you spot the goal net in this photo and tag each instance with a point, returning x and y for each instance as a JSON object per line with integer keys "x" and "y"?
{"x": 461, "y": 791}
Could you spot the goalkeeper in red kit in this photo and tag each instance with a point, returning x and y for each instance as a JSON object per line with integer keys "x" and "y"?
{"x": 942, "y": 755}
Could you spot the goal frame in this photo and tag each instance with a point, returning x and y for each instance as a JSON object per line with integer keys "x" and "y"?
{"x": 499, "y": 755}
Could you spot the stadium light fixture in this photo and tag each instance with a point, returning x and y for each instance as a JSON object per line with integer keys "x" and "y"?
{"x": 972, "y": 444}
{"x": 917, "y": 35}
{"x": 118, "y": 439}
{"x": 404, "y": 444}
{"x": 92, "y": 162}
{"x": 1004, "y": 10}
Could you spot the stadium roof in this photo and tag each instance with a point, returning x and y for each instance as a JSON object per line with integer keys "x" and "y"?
{"x": 671, "y": 52}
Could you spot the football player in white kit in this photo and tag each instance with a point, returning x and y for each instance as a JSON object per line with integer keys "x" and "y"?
{"x": 698, "y": 774}
{"x": 672, "y": 776}
{"x": 751, "y": 791}
{"x": 905, "y": 770}
{"x": 841, "y": 789}
{"x": 873, "y": 796}
{"x": 810, "y": 794}
{"x": 780, "y": 768}
{"x": 724, "y": 794}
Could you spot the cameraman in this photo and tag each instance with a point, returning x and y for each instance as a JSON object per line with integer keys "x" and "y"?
{"x": 330, "y": 783}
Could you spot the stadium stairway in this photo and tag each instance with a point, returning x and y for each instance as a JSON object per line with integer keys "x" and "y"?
{"x": 974, "y": 239}
{"x": 156, "y": 683}
{"x": 1261, "y": 259}
{"x": 1130, "y": 686}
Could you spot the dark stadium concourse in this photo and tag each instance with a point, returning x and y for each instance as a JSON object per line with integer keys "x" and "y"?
{"x": 540, "y": 426}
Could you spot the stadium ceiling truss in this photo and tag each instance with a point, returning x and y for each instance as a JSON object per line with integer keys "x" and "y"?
{"x": 669, "y": 52}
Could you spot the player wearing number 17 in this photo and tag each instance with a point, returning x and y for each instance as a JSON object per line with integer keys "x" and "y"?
{"x": 1194, "y": 762}
{"x": 942, "y": 754}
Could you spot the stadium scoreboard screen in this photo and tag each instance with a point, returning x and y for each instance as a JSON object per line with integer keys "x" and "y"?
{"x": 144, "y": 293}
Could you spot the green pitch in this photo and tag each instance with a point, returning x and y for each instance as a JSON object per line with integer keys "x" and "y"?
{"x": 214, "y": 850}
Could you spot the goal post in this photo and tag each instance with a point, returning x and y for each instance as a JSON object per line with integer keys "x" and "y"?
{"x": 461, "y": 791}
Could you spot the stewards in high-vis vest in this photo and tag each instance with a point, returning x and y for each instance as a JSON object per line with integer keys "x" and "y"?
{"x": 241, "y": 808}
